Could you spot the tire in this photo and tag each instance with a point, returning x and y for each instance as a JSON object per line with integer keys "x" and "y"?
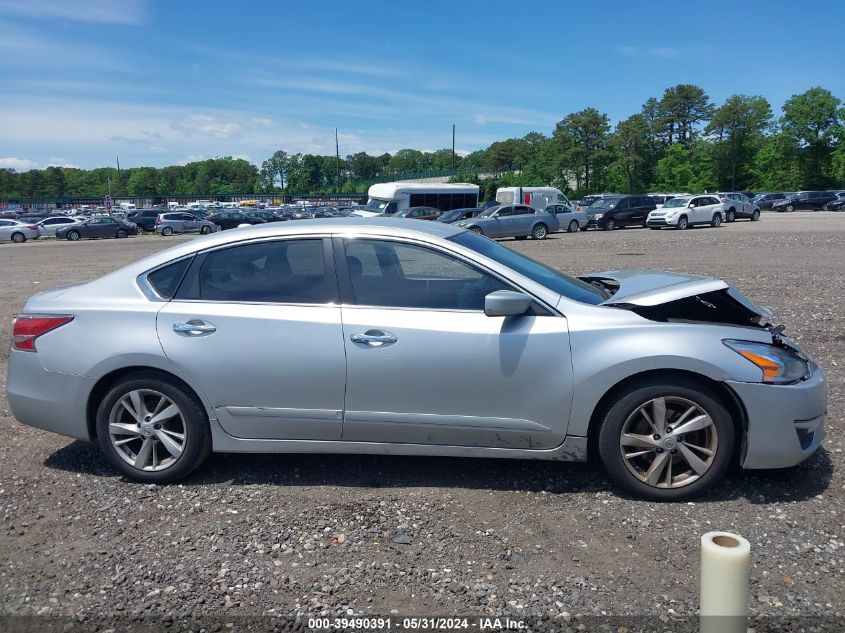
{"x": 18, "y": 238}
{"x": 790, "y": 208}
{"x": 609, "y": 225}
{"x": 205, "y": 230}
{"x": 475, "y": 229}
{"x": 716, "y": 222}
{"x": 139, "y": 230}
{"x": 121, "y": 234}
{"x": 573, "y": 227}
{"x": 730, "y": 216}
{"x": 684, "y": 480}
{"x": 73, "y": 236}
{"x": 539, "y": 232}
{"x": 166, "y": 231}
{"x": 755, "y": 215}
{"x": 160, "y": 464}
{"x": 683, "y": 223}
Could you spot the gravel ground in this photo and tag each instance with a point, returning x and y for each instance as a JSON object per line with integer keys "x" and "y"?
{"x": 250, "y": 535}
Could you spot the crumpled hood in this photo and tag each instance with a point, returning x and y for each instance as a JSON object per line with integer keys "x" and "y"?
{"x": 646, "y": 288}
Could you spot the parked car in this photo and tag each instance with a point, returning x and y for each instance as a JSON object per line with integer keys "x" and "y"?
{"x": 682, "y": 213}
{"x": 145, "y": 219}
{"x": 805, "y": 201}
{"x": 102, "y": 226}
{"x": 267, "y": 216}
{"x": 838, "y": 204}
{"x": 566, "y": 217}
{"x": 232, "y": 219}
{"x": 183, "y": 222}
{"x": 456, "y": 215}
{"x": 50, "y": 225}
{"x": 588, "y": 201}
{"x": 609, "y": 213}
{"x": 513, "y": 220}
{"x": 766, "y": 200}
{"x": 9, "y": 215}
{"x": 737, "y": 205}
{"x": 664, "y": 375}
{"x": 418, "y": 213}
{"x": 17, "y": 231}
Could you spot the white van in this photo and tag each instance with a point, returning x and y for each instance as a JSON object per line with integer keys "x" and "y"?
{"x": 127, "y": 206}
{"x": 390, "y": 197}
{"x": 536, "y": 197}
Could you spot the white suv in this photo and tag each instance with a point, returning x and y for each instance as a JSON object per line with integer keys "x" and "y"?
{"x": 681, "y": 213}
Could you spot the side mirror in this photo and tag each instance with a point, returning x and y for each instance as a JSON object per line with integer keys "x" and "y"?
{"x": 506, "y": 303}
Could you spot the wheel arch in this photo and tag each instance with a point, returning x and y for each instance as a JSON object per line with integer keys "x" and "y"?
{"x": 726, "y": 395}
{"x": 106, "y": 382}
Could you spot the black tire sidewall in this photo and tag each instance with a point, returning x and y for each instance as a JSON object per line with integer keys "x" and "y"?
{"x": 198, "y": 440}
{"x": 635, "y": 396}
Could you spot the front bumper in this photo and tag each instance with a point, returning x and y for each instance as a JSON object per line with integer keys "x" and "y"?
{"x": 785, "y": 422}
{"x": 46, "y": 399}
{"x": 661, "y": 221}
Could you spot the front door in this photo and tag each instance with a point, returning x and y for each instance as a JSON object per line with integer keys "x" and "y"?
{"x": 258, "y": 327}
{"x": 425, "y": 365}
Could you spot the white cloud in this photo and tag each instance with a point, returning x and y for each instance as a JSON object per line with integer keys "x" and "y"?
{"x": 18, "y": 164}
{"x": 206, "y": 125}
{"x": 56, "y": 161}
{"x": 99, "y": 11}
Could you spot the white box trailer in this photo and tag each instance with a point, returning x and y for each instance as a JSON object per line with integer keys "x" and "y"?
{"x": 536, "y": 197}
{"x": 388, "y": 198}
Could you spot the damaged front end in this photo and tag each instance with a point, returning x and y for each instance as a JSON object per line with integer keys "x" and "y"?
{"x": 673, "y": 297}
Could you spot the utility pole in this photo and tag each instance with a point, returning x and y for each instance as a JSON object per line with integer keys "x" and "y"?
{"x": 337, "y": 162}
{"x": 453, "y": 146}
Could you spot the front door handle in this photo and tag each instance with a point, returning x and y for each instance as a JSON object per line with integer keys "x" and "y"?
{"x": 374, "y": 338}
{"x": 194, "y": 327}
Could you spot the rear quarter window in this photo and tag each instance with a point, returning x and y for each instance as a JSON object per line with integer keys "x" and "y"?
{"x": 165, "y": 280}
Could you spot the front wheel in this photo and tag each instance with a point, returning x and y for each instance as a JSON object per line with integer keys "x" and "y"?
{"x": 573, "y": 227}
{"x": 790, "y": 208}
{"x": 18, "y": 238}
{"x": 139, "y": 230}
{"x": 152, "y": 429}
{"x": 539, "y": 232}
{"x": 205, "y": 230}
{"x": 683, "y": 223}
{"x": 716, "y": 222}
{"x": 73, "y": 235}
{"x": 121, "y": 234}
{"x": 730, "y": 216}
{"x": 667, "y": 440}
{"x": 610, "y": 225}
{"x": 475, "y": 229}
{"x": 755, "y": 215}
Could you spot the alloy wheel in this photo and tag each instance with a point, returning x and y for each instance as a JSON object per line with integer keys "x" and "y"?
{"x": 668, "y": 442}
{"x": 539, "y": 232}
{"x": 147, "y": 430}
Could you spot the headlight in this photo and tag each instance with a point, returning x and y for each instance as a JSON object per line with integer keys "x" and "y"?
{"x": 780, "y": 365}
{"x": 598, "y": 216}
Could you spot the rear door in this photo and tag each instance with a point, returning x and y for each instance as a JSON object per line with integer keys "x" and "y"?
{"x": 257, "y": 326}
{"x": 622, "y": 213}
{"x": 523, "y": 220}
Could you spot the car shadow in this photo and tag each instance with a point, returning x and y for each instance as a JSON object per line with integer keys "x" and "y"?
{"x": 799, "y": 483}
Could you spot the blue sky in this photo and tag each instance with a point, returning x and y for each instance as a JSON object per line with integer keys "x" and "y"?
{"x": 166, "y": 82}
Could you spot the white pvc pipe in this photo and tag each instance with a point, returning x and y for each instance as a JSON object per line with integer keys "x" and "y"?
{"x": 725, "y": 567}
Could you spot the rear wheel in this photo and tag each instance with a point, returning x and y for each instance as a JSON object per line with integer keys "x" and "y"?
{"x": 683, "y": 223}
{"x": 539, "y": 232}
{"x": 167, "y": 231}
{"x": 716, "y": 222}
{"x": 139, "y": 230}
{"x": 667, "y": 439}
{"x": 18, "y": 238}
{"x": 73, "y": 235}
{"x": 755, "y": 215}
{"x": 152, "y": 429}
{"x": 205, "y": 230}
{"x": 573, "y": 227}
{"x": 730, "y": 216}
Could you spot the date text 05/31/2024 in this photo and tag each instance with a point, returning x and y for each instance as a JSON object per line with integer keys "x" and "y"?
{"x": 416, "y": 624}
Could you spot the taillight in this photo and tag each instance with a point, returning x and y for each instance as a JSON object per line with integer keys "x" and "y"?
{"x": 27, "y": 328}
{"x": 727, "y": 200}
{"x": 32, "y": 227}
{"x": 158, "y": 221}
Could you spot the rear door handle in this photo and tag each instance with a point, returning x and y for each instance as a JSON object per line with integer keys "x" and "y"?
{"x": 194, "y": 327}
{"x": 374, "y": 338}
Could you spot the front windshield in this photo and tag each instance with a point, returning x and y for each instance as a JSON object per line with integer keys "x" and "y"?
{"x": 451, "y": 215}
{"x": 559, "y": 282}
{"x": 377, "y": 205}
{"x": 607, "y": 203}
{"x": 676, "y": 202}
{"x": 488, "y": 212}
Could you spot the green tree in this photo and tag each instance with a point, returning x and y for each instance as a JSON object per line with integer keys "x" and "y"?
{"x": 583, "y": 141}
{"x": 814, "y": 120}
{"x": 631, "y": 141}
{"x": 739, "y": 124}
{"x": 682, "y": 108}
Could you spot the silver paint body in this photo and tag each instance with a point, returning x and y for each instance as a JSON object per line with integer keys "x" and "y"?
{"x": 517, "y": 225}
{"x": 291, "y": 378}
{"x": 10, "y": 227}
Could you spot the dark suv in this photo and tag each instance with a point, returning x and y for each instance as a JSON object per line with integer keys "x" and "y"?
{"x": 808, "y": 200}
{"x": 611, "y": 212}
{"x": 145, "y": 219}
{"x": 766, "y": 200}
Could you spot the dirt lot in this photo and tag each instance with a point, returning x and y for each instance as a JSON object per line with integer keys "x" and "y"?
{"x": 259, "y": 535}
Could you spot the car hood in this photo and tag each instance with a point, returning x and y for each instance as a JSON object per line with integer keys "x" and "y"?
{"x": 652, "y": 288}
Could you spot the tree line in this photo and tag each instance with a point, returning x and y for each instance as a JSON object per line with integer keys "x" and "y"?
{"x": 681, "y": 141}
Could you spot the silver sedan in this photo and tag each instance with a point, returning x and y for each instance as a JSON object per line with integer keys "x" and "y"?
{"x": 18, "y": 232}
{"x": 357, "y": 336}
